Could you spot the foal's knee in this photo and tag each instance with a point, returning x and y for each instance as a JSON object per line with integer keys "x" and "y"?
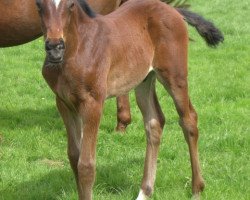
{"x": 124, "y": 116}
{"x": 123, "y": 119}
{"x": 123, "y": 113}
{"x": 86, "y": 170}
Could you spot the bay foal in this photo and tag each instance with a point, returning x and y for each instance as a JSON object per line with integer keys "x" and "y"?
{"x": 20, "y": 23}
{"x": 91, "y": 58}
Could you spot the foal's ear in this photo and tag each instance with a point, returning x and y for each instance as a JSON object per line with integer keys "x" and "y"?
{"x": 71, "y": 4}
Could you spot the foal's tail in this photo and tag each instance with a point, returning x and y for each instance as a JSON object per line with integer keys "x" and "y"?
{"x": 205, "y": 28}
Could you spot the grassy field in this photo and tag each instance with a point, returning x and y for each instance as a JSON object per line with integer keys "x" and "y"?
{"x": 33, "y": 160}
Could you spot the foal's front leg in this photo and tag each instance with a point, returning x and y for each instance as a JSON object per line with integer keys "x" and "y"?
{"x": 90, "y": 111}
{"x": 73, "y": 127}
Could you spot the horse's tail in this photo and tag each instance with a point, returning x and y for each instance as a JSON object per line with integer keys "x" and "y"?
{"x": 205, "y": 28}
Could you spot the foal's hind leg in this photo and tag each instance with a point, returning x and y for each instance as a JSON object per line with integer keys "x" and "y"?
{"x": 123, "y": 112}
{"x": 153, "y": 121}
{"x": 174, "y": 79}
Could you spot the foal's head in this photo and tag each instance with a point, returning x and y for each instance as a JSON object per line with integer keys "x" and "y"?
{"x": 55, "y": 17}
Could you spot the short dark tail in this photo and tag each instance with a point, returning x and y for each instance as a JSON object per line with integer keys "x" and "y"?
{"x": 205, "y": 28}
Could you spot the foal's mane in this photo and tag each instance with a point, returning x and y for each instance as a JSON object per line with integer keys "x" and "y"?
{"x": 86, "y": 8}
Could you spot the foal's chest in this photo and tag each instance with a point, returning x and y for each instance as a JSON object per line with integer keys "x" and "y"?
{"x": 59, "y": 84}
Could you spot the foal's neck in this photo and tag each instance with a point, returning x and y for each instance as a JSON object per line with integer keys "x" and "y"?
{"x": 76, "y": 31}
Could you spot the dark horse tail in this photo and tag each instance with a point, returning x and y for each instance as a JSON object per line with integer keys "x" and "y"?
{"x": 205, "y": 28}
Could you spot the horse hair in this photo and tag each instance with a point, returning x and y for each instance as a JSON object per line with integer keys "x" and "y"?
{"x": 205, "y": 28}
{"x": 86, "y": 8}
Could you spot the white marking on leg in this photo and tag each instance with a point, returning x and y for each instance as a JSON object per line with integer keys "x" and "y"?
{"x": 56, "y": 2}
{"x": 81, "y": 139}
{"x": 150, "y": 69}
{"x": 142, "y": 196}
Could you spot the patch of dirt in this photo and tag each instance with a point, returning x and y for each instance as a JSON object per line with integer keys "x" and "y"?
{"x": 51, "y": 163}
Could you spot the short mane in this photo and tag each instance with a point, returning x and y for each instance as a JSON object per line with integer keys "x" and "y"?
{"x": 86, "y": 8}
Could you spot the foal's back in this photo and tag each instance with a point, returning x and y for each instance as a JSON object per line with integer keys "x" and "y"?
{"x": 140, "y": 17}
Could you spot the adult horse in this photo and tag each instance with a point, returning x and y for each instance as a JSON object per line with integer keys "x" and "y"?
{"x": 20, "y": 23}
{"x": 90, "y": 58}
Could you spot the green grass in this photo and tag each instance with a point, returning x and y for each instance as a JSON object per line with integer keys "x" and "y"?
{"x": 33, "y": 161}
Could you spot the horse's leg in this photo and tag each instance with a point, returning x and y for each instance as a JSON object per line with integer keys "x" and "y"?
{"x": 174, "y": 78}
{"x": 72, "y": 125}
{"x": 123, "y": 113}
{"x": 90, "y": 111}
{"x": 153, "y": 121}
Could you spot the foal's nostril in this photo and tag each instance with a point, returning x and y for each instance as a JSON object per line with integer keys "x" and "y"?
{"x": 49, "y": 45}
{"x": 54, "y": 44}
{"x": 61, "y": 44}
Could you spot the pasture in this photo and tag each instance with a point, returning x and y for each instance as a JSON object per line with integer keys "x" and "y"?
{"x": 33, "y": 158}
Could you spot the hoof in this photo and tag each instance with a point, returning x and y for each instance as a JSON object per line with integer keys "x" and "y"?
{"x": 199, "y": 187}
{"x": 142, "y": 196}
{"x": 196, "y": 196}
{"x": 121, "y": 127}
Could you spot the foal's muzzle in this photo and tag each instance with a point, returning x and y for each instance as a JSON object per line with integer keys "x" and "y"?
{"x": 55, "y": 50}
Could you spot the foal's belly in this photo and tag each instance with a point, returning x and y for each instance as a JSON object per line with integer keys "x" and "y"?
{"x": 122, "y": 81}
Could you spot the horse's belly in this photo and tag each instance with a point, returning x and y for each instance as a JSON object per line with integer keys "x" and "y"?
{"x": 132, "y": 58}
{"x": 19, "y": 22}
{"x": 121, "y": 83}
